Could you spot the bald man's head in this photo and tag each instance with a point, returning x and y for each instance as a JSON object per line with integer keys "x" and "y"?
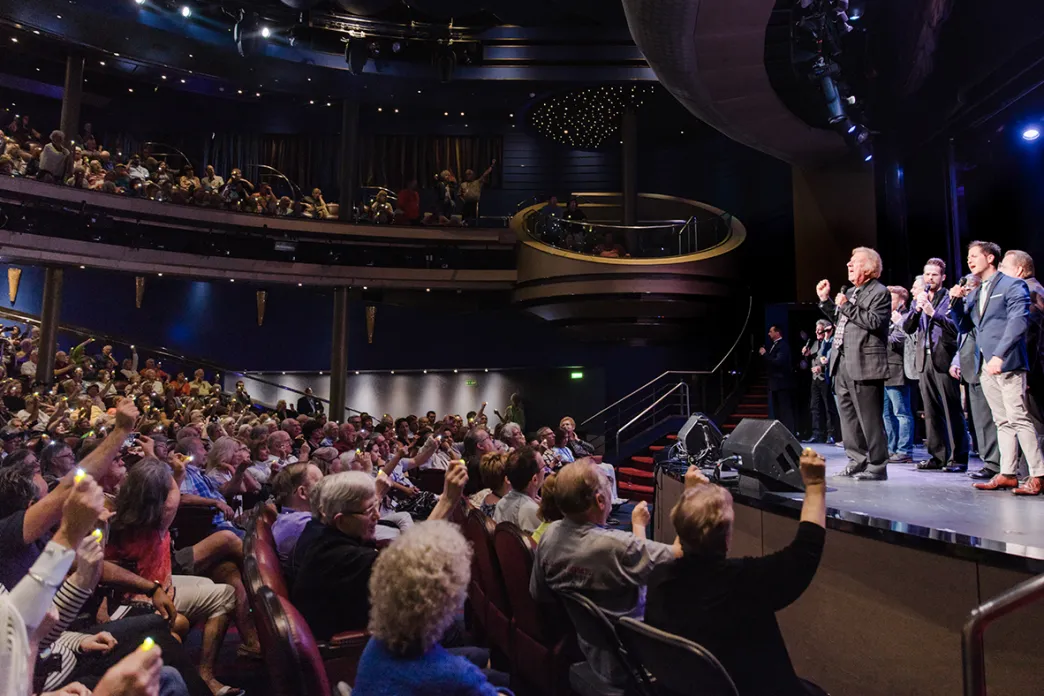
{"x": 583, "y": 492}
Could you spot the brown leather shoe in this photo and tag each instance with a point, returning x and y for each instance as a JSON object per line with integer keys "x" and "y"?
{"x": 999, "y": 481}
{"x": 1032, "y": 486}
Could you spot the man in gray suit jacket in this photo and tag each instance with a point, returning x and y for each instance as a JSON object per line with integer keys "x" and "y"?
{"x": 998, "y": 309}
{"x": 963, "y": 367}
{"x": 859, "y": 363}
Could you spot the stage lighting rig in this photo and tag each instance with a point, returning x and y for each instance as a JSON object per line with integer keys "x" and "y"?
{"x": 818, "y": 28}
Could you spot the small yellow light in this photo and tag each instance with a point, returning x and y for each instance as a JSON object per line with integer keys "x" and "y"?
{"x": 80, "y": 475}
{"x": 147, "y": 644}
{"x": 97, "y": 534}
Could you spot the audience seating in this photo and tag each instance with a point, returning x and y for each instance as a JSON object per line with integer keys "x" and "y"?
{"x": 678, "y": 666}
{"x": 294, "y": 661}
{"x": 478, "y": 529}
{"x": 432, "y": 480}
{"x": 261, "y": 573}
{"x": 542, "y": 649}
{"x": 595, "y": 629}
{"x": 191, "y": 525}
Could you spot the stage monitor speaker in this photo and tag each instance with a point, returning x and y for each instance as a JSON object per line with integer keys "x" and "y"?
{"x": 769, "y": 453}
{"x": 700, "y": 437}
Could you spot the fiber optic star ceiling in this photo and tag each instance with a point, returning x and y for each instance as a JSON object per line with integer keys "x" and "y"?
{"x": 587, "y": 118}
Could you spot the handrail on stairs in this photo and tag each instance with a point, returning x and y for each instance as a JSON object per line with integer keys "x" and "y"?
{"x": 680, "y": 385}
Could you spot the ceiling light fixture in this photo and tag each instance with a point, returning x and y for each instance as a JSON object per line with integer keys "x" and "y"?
{"x": 186, "y": 12}
{"x": 265, "y": 32}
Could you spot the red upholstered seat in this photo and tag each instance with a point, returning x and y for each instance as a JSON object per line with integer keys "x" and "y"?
{"x": 296, "y": 663}
{"x": 542, "y": 653}
{"x": 261, "y": 545}
{"x": 478, "y": 529}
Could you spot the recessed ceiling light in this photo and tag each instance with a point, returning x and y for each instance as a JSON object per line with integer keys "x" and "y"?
{"x": 329, "y": 104}
{"x": 418, "y": 91}
{"x": 427, "y": 289}
{"x": 300, "y": 285}
{"x": 231, "y": 280}
{"x": 130, "y": 89}
{"x": 82, "y": 267}
{"x": 266, "y": 32}
{"x": 309, "y": 79}
{"x": 364, "y": 287}
{"x": 379, "y": 109}
{"x": 58, "y": 16}
{"x": 186, "y": 12}
{"x": 160, "y": 275}
{"x": 396, "y": 111}
{"x": 14, "y": 39}
{"x": 239, "y": 91}
{"x": 163, "y": 77}
{"x": 461, "y": 113}
{"x": 191, "y": 56}
{"x": 445, "y": 113}
{"x": 311, "y": 101}
{"x": 101, "y": 62}
{"x": 356, "y": 372}
{"x": 183, "y": 80}
{"x": 257, "y": 94}
{"x": 455, "y": 371}
{"x": 116, "y": 54}
{"x": 36, "y": 31}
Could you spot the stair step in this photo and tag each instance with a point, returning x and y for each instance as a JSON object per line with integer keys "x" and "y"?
{"x": 672, "y": 436}
{"x": 657, "y": 448}
{"x": 648, "y": 461}
{"x": 640, "y": 476}
{"x": 634, "y": 491}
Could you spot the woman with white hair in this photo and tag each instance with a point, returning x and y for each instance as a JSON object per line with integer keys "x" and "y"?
{"x": 227, "y": 464}
{"x": 417, "y": 588}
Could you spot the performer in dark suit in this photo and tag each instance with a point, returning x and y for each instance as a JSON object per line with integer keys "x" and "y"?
{"x": 998, "y": 309}
{"x": 308, "y": 405}
{"x": 935, "y": 333}
{"x": 780, "y": 379}
{"x": 859, "y": 363}
{"x": 963, "y": 368}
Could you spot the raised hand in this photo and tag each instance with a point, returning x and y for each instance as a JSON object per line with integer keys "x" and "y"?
{"x": 958, "y": 291}
{"x": 80, "y": 511}
{"x": 823, "y": 290}
{"x": 98, "y": 643}
{"x": 694, "y": 477}
{"x": 126, "y": 415}
{"x": 456, "y": 480}
{"x": 640, "y": 516}
{"x": 89, "y": 557}
{"x": 813, "y": 467}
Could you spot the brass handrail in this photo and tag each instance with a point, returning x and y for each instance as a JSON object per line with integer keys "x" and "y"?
{"x": 680, "y": 385}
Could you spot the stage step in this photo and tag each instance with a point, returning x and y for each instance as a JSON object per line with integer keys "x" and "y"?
{"x": 639, "y": 476}
{"x": 672, "y": 436}
{"x": 642, "y": 463}
{"x": 634, "y": 491}
{"x": 657, "y": 448}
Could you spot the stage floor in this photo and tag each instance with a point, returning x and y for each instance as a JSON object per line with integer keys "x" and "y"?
{"x": 937, "y": 505}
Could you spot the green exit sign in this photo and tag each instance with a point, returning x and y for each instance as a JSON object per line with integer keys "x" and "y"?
{"x": 576, "y": 375}
{"x": 470, "y": 382}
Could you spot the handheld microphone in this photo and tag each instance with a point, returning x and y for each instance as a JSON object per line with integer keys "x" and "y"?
{"x": 963, "y": 282}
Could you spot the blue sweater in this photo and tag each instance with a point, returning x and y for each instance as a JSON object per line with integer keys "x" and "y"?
{"x": 436, "y": 672}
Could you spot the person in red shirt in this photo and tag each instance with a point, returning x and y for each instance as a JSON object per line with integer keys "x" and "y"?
{"x": 408, "y": 204}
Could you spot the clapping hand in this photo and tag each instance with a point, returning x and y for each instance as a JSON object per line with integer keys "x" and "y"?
{"x": 640, "y": 516}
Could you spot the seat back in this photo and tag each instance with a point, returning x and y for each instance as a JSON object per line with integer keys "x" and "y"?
{"x": 294, "y": 662}
{"x": 432, "y": 480}
{"x": 595, "y": 628}
{"x": 514, "y": 553}
{"x": 679, "y": 666}
{"x": 261, "y": 545}
{"x": 478, "y": 529}
{"x": 191, "y": 525}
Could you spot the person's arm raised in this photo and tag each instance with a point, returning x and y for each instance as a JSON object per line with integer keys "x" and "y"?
{"x": 453, "y": 489}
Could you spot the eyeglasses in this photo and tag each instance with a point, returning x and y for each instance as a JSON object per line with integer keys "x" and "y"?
{"x": 368, "y": 512}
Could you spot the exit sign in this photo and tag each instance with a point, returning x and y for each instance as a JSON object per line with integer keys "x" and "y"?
{"x": 470, "y": 382}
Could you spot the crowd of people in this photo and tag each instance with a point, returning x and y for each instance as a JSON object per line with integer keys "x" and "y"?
{"x": 87, "y": 164}
{"x": 99, "y": 462}
{"x": 970, "y": 356}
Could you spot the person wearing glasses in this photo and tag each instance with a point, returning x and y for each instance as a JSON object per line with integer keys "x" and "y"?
{"x": 331, "y": 586}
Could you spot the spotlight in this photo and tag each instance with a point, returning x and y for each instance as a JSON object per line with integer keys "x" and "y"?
{"x": 356, "y": 53}
{"x": 375, "y": 48}
{"x": 1030, "y": 133}
{"x": 266, "y": 32}
{"x": 870, "y": 156}
{"x": 140, "y": 2}
{"x": 396, "y": 46}
{"x": 186, "y": 11}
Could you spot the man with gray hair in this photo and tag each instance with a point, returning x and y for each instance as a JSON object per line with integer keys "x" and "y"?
{"x": 859, "y": 363}
{"x": 331, "y": 584}
{"x": 512, "y": 436}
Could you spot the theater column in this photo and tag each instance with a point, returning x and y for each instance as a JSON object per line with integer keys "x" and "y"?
{"x": 629, "y": 170}
{"x": 49, "y": 316}
{"x": 71, "y": 97}
{"x": 349, "y": 156}
{"x": 339, "y": 354}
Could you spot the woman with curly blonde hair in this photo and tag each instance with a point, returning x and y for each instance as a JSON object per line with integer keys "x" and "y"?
{"x": 417, "y": 588}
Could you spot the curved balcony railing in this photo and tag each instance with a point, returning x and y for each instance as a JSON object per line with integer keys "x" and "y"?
{"x": 580, "y": 231}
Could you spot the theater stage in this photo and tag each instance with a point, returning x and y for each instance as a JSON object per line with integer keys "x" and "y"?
{"x": 905, "y": 562}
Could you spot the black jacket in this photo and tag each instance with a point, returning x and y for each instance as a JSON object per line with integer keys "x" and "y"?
{"x": 307, "y": 405}
{"x": 331, "y": 587}
{"x": 864, "y": 347}
{"x": 938, "y": 332}
{"x": 896, "y": 352}
{"x": 729, "y": 605}
{"x": 779, "y": 366}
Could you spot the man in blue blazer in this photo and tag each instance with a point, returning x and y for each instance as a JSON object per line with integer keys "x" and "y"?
{"x": 999, "y": 309}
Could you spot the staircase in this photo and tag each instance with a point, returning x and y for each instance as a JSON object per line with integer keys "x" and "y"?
{"x": 635, "y": 481}
{"x": 752, "y": 404}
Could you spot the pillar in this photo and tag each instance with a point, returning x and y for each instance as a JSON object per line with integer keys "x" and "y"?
{"x": 629, "y": 185}
{"x": 49, "y": 316}
{"x": 349, "y": 156}
{"x": 72, "y": 97}
{"x": 339, "y": 355}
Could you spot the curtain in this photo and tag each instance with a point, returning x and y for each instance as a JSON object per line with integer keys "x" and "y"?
{"x": 392, "y": 160}
{"x": 313, "y": 160}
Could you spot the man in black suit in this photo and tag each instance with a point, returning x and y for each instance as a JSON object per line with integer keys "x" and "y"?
{"x": 308, "y": 405}
{"x": 780, "y": 378}
{"x": 859, "y": 363}
{"x": 935, "y": 335}
{"x": 982, "y": 425}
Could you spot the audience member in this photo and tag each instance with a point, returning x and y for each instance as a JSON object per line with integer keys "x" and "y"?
{"x": 525, "y": 473}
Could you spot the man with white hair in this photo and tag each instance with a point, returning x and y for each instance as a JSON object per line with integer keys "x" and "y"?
{"x": 512, "y": 436}
{"x": 859, "y": 363}
{"x": 331, "y": 585}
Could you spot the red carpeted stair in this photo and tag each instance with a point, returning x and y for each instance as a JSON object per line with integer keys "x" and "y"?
{"x": 753, "y": 404}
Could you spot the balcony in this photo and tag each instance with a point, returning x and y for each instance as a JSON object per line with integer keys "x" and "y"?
{"x": 662, "y": 279}
{"x": 44, "y": 223}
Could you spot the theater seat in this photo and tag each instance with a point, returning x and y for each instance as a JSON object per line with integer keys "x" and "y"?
{"x": 260, "y": 544}
{"x": 595, "y": 628}
{"x": 679, "y": 666}
{"x": 432, "y": 480}
{"x": 479, "y": 531}
{"x": 542, "y": 651}
{"x": 297, "y": 664}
